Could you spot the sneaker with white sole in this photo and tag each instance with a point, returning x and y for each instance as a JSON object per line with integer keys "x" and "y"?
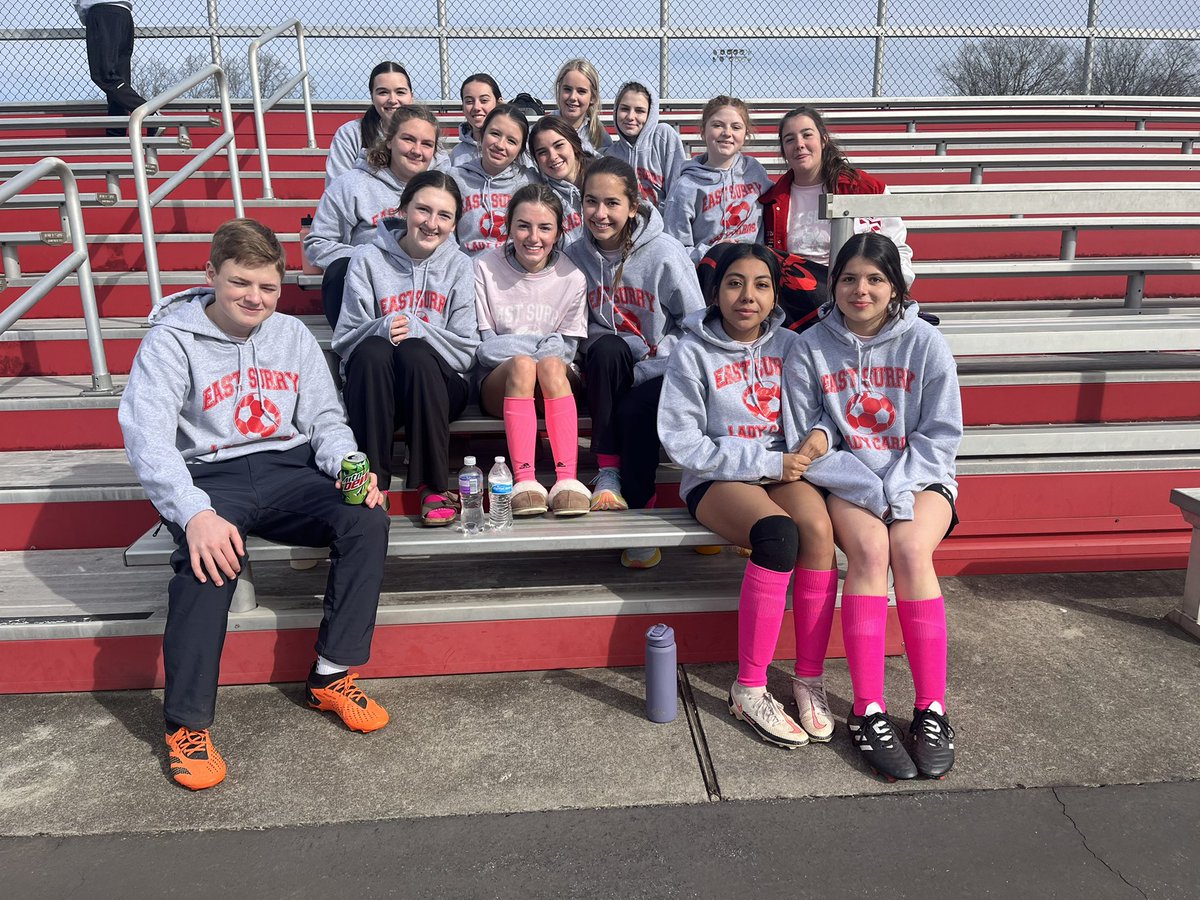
{"x": 641, "y": 557}
{"x": 606, "y": 493}
{"x": 881, "y": 745}
{"x": 813, "y": 707}
{"x": 764, "y": 714}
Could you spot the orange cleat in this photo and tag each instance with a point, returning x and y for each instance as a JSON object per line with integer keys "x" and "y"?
{"x": 194, "y": 761}
{"x": 344, "y": 697}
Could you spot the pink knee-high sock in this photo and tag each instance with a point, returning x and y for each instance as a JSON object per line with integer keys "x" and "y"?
{"x": 760, "y": 613}
{"x": 813, "y": 595}
{"x": 608, "y": 460}
{"x": 520, "y": 423}
{"x": 923, "y": 624}
{"x": 864, "y": 622}
{"x": 562, "y": 427}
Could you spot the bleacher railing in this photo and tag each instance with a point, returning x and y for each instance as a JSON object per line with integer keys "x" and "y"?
{"x": 260, "y": 108}
{"x": 76, "y": 261}
{"x": 147, "y": 200}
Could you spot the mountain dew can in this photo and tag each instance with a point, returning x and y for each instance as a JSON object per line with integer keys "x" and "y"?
{"x": 355, "y": 482}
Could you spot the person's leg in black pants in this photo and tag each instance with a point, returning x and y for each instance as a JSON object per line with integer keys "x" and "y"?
{"x": 109, "y": 38}
{"x": 637, "y": 425}
{"x": 333, "y": 288}
{"x": 608, "y": 376}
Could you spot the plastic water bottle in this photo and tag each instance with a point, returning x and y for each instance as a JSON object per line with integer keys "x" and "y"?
{"x": 661, "y": 679}
{"x": 470, "y": 489}
{"x": 500, "y": 485}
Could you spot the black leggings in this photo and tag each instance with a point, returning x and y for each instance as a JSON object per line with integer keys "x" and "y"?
{"x": 624, "y": 416}
{"x": 333, "y": 287}
{"x": 409, "y": 385}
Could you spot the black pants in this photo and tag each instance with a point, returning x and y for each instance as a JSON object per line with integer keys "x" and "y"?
{"x": 624, "y": 417}
{"x": 282, "y": 496}
{"x": 109, "y": 37}
{"x": 333, "y": 287}
{"x": 407, "y": 385}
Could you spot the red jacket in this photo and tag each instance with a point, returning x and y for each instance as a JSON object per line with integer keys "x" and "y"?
{"x": 778, "y": 200}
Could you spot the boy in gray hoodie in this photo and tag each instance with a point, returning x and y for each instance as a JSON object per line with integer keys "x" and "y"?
{"x": 653, "y": 148}
{"x": 233, "y": 426}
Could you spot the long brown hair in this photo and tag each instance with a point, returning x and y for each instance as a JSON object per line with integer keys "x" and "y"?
{"x": 610, "y": 165}
{"x": 372, "y": 123}
{"x": 558, "y": 126}
{"x": 380, "y": 154}
{"x": 833, "y": 159}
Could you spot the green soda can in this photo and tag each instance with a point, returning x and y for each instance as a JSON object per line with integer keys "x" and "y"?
{"x": 355, "y": 482}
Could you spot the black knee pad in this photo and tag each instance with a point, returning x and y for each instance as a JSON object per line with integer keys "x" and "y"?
{"x": 774, "y": 543}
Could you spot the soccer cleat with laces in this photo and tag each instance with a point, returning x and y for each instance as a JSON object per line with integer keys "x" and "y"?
{"x": 933, "y": 742}
{"x": 813, "y": 707}
{"x": 192, "y": 759}
{"x": 765, "y": 716}
{"x": 606, "y": 493}
{"x": 880, "y": 744}
{"x": 344, "y": 697}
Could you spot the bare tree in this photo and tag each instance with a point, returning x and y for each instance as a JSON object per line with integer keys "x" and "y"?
{"x": 153, "y": 75}
{"x": 1144, "y": 68}
{"x": 1000, "y": 66}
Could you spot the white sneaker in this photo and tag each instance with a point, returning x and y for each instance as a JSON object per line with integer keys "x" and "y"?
{"x": 607, "y": 492}
{"x": 641, "y": 557}
{"x": 813, "y": 705}
{"x": 764, "y": 714}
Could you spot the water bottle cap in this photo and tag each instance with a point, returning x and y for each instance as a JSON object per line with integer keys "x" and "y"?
{"x": 499, "y": 459}
{"x": 660, "y": 636}
{"x": 468, "y": 460}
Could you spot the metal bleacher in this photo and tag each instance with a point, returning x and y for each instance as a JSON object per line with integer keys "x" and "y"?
{"x": 1070, "y": 303}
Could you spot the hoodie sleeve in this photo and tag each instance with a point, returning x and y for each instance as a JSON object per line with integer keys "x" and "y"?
{"x": 357, "y": 319}
{"x": 332, "y": 225}
{"x": 678, "y": 213}
{"x": 343, "y": 150}
{"x": 319, "y": 412}
{"x": 495, "y": 349}
{"x": 931, "y": 448}
{"x": 159, "y": 383}
{"x": 678, "y": 294}
{"x": 456, "y": 340}
{"x": 673, "y": 159}
{"x": 894, "y": 228}
{"x": 682, "y": 421}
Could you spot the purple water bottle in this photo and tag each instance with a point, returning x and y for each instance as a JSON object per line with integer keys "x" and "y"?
{"x": 661, "y": 692}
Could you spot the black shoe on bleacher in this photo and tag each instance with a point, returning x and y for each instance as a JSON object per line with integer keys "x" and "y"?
{"x": 881, "y": 746}
{"x": 933, "y": 743}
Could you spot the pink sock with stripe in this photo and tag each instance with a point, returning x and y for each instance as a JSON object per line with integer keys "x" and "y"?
{"x": 520, "y": 424}
{"x": 760, "y": 613}
{"x": 923, "y": 624}
{"x": 814, "y": 593}
{"x": 562, "y": 427}
{"x": 864, "y": 626}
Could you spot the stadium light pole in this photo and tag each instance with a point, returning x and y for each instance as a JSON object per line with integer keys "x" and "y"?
{"x": 730, "y": 55}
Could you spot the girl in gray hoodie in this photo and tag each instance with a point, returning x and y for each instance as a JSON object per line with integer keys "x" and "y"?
{"x": 653, "y": 148}
{"x": 886, "y": 380}
{"x": 355, "y": 202}
{"x": 640, "y": 285}
{"x": 488, "y": 181}
{"x": 721, "y": 419}
{"x": 407, "y": 337}
{"x": 563, "y": 163}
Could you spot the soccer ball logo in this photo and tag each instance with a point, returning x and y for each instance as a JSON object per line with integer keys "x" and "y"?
{"x": 763, "y": 400}
{"x": 491, "y": 224}
{"x": 736, "y": 215}
{"x": 870, "y": 412}
{"x": 256, "y": 415}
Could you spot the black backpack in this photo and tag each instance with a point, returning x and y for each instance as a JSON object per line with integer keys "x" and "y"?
{"x": 528, "y": 104}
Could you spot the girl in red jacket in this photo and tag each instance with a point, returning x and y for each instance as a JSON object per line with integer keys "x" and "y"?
{"x": 791, "y": 222}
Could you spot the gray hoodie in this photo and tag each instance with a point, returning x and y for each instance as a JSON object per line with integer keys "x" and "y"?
{"x": 437, "y": 294}
{"x": 656, "y": 154}
{"x": 657, "y": 289}
{"x": 893, "y": 398}
{"x": 572, "y": 201}
{"x": 349, "y": 210}
{"x": 346, "y": 150}
{"x": 466, "y": 148}
{"x": 485, "y": 202}
{"x": 721, "y": 414}
{"x": 710, "y": 205}
{"x": 195, "y": 394}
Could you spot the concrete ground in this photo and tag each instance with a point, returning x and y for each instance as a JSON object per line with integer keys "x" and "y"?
{"x": 1059, "y": 684}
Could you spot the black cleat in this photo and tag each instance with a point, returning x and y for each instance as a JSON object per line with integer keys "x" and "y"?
{"x": 881, "y": 746}
{"x": 933, "y": 743}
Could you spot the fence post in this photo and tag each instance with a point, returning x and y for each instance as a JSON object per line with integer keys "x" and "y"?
{"x": 664, "y": 48}
{"x": 881, "y": 20}
{"x": 1089, "y": 45}
{"x": 443, "y": 49}
{"x": 214, "y": 39}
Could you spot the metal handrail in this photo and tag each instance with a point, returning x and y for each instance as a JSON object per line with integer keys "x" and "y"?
{"x": 146, "y": 200}
{"x": 260, "y": 126}
{"x": 77, "y": 261}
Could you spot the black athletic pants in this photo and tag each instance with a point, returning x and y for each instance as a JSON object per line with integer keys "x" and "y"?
{"x": 280, "y": 495}
{"x": 624, "y": 417}
{"x": 109, "y": 37}
{"x": 333, "y": 287}
{"x": 408, "y": 385}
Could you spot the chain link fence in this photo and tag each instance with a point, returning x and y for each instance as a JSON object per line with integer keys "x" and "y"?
{"x": 688, "y": 48}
